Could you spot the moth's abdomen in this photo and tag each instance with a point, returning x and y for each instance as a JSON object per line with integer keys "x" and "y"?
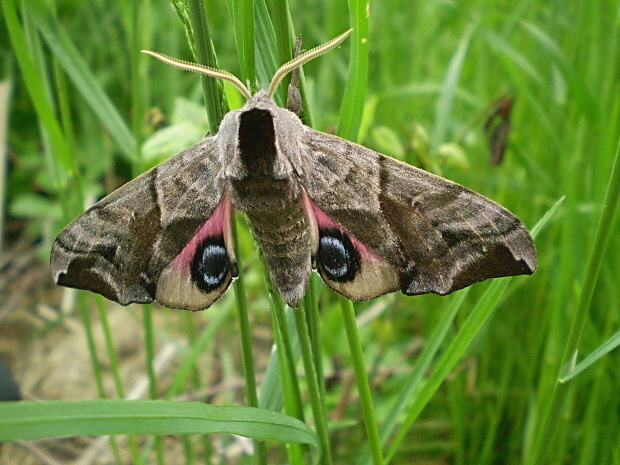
{"x": 285, "y": 237}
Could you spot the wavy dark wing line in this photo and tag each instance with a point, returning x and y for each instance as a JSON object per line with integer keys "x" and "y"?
{"x": 119, "y": 246}
{"x": 439, "y": 235}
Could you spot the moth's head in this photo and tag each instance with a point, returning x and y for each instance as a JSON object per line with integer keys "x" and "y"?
{"x": 277, "y": 77}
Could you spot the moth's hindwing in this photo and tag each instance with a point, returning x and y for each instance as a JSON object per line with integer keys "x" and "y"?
{"x": 368, "y": 223}
{"x": 205, "y": 267}
{"x": 135, "y": 245}
{"x": 346, "y": 264}
{"x": 385, "y": 225}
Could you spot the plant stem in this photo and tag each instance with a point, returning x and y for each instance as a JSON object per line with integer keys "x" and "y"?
{"x": 147, "y": 322}
{"x": 246, "y": 350}
{"x": 214, "y": 97}
{"x": 561, "y": 391}
{"x": 363, "y": 386}
{"x": 313, "y": 386}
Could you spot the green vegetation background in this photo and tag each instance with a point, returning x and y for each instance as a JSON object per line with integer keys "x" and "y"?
{"x": 435, "y": 68}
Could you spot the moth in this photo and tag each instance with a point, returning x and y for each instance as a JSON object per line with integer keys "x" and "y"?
{"x": 369, "y": 224}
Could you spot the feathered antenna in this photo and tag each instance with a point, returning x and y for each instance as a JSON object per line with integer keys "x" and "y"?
{"x": 216, "y": 73}
{"x": 277, "y": 77}
{"x": 304, "y": 58}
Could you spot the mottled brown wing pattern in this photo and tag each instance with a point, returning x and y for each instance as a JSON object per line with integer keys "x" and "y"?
{"x": 368, "y": 223}
{"x": 437, "y": 236}
{"x": 119, "y": 247}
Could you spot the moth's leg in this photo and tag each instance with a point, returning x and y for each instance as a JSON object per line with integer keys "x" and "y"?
{"x": 293, "y": 99}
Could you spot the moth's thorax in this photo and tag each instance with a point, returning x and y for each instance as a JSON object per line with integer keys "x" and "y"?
{"x": 260, "y": 141}
{"x": 257, "y": 143}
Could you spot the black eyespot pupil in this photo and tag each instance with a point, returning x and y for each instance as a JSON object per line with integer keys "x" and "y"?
{"x": 337, "y": 256}
{"x": 334, "y": 256}
{"x": 211, "y": 264}
{"x": 214, "y": 264}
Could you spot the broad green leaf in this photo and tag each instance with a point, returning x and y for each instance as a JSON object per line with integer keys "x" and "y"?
{"x": 34, "y": 420}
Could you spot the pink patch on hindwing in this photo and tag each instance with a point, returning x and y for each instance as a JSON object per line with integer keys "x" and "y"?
{"x": 218, "y": 224}
{"x": 323, "y": 221}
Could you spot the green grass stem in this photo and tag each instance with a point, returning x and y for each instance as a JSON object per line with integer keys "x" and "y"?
{"x": 215, "y": 101}
{"x": 361, "y": 378}
{"x": 94, "y": 360}
{"x": 247, "y": 358}
{"x": 352, "y": 107}
{"x": 314, "y": 392}
{"x": 149, "y": 346}
{"x": 409, "y": 393}
{"x": 115, "y": 369}
{"x": 472, "y": 326}
{"x": 561, "y": 391}
{"x": 288, "y": 377}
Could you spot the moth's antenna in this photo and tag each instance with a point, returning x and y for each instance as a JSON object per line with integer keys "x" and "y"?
{"x": 216, "y": 73}
{"x": 303, "y": 58}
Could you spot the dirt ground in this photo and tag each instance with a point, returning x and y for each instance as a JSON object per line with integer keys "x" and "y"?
{"x": 43, "y": 341}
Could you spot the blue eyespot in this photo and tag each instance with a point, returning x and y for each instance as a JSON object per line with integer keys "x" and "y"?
{"x": 211, "y": 265}
{"x": 338, "y": 258}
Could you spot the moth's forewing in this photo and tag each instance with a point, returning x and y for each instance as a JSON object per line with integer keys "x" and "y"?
{"x": 120, "y": 246}
{"x": 435, "y": 235}
{"x": 368, "y": 223}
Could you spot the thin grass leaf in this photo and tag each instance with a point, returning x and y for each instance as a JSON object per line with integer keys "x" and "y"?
{"x": 443, "y": 114}
{"x": 34, "y": 420}
{"x": 560, "y": 391}
{"x": 188, "y": 365}
{"x": 288, "y": 387}
{"x": 361, "y": 379}
{"x": 242, "y": 12}
{"x": 138, "y": 77}
{"x": 114, "y": 366}
{"x": 571, "y": 370}
{"x": 247, "y": 358}
{"x": 412, "y": 386}
{"x": 313, "y": 318}
{"x": 280, "y": 385}
{"x": 284, "y": 35}
{"x": 30, "y": 74}
{"x": 352, "y": 107}
{"x": 478, "y": 316}
{"x": 519, "y": 59}
{"x": 314, "y": 393}
{"x": 587, "y": 102}
{"x": 213, "y": 92}
{"x": 266, "y": 45}
{"x": 85, "y": 82}
{"x": 288, "y": 355}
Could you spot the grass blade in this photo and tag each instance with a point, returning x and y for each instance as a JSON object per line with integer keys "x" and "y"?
{"x": 215, "y": 100}
{"x": 44, "y": 110}
{"x": 561, "y": 391}
{"x": 411, "y": 389}
{"x": 361, "y": 379}
{"x": 352, "y": 108}
{"x": 34, "y": 420}
{"x": 317, "y": 405}
{"x": 445, "y": 104}
{"x": 479, "y": 315}
{"x": 571, "y": 370}
{"x": 87, "y": 85}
